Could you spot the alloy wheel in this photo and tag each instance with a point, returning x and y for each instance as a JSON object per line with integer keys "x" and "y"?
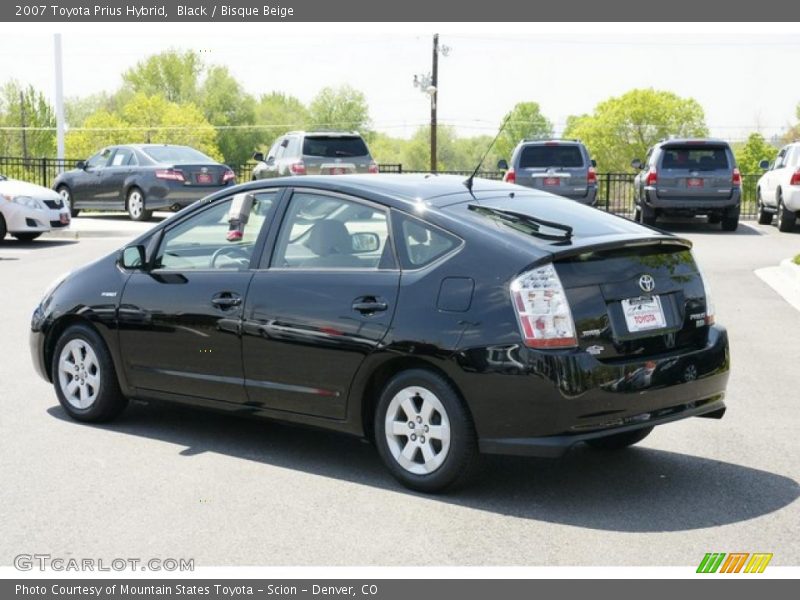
{"x": 135, "y": 204}
{"x": 79, "y": 373}
{"x": 417, "y": 430}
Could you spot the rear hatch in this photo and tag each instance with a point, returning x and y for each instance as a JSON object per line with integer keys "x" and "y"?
{"x": 695, "y": 170}
{"x": 335, "y": 155}
{"x": 556, "y": 167}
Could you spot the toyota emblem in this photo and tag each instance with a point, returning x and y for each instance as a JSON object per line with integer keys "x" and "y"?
{"x": 647, "y": 283}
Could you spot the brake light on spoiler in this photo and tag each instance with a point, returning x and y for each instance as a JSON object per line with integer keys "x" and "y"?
{"x": 542, "y": 309}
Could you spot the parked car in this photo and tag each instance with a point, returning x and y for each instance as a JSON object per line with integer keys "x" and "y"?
{"x": 28, "y": 210}
{"x": 435, "y": 320}
{"x": 315, "y": 153}
{"x": 141, "y": 178}
{"x": 778, "y": 189}
{"x": 688, "y": 177}
{"x": 561, "y": 167}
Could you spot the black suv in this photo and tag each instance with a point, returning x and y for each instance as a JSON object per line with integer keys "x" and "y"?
{"x": 688, "y": 177}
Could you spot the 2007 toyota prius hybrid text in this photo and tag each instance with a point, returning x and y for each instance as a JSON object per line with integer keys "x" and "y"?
{"x": 438, "y": 318}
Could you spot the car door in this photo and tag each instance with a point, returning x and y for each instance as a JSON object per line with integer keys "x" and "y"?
{"x": 112, "y": 179}
{"x": 774, "y": 176}
{"x": 86, "y": 181}
{"x": 322, "y": 302}
{"x": 179, "y": 320}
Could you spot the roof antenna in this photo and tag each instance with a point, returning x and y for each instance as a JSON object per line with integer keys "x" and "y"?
{"x": 468, "y": 181}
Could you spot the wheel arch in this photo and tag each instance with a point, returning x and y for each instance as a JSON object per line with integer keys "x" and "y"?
{"x": 58, "y": 328}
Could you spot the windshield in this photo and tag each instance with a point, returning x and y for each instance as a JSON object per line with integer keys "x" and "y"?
{"x": 695, "y": 158}
{"x": 334, "y": 147}
{"x": 176, "y": 155}
{"x": 550, "y": 156}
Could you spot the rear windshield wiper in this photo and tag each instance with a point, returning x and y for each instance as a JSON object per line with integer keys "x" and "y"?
{"x": 530, "y": 225}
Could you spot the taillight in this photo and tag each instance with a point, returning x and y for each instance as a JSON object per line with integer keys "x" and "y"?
{"x": 298, "y": 168}
{"x": 711, "y": 309}
{"x": 171, "y": 174}
{"x": 543, "y": 310}
{"x": 592, "y": 177}
{"x": 229, "y": 175}
{"x": 652, "y": 177}
{"x": 510, "y": 176}
{"x": 737, "y": 178}
{"x": 795, "y": 180}
{"x": 373, "y": 167}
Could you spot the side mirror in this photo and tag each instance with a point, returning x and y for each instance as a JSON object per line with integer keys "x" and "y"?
{"x": 132, "y": 257}
{"x": 763, "y": 165}
{"x": 365, "y": 242}
{"x": 81, "y": 164}
{"x": 502, "y": 164}
{"x": 636, "y": 164}
{"x": 258, "y": 156}
{"x": 594, "y": 163}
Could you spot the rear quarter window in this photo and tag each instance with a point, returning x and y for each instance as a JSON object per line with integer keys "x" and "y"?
{"x": 420, "y": 243}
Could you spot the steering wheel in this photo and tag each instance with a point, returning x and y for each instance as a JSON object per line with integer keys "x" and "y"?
{"x": 243, "y": 257}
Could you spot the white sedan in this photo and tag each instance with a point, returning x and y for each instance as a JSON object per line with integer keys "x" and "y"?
{"x": 778, "y": 189}
{"x": 28, "y": 210}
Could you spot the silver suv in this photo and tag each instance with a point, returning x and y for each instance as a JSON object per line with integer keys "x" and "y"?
{"x": 561, "y": 167}
{"x": 688, "y": 177}
{"x": 315, "y": 153}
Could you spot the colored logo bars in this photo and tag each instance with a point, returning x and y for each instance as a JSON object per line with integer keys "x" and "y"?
{"x": 736, "y": 562}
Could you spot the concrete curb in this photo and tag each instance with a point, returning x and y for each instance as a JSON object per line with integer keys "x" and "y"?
{"x": 784, "y": 279}
{"x": 791, "y": 269}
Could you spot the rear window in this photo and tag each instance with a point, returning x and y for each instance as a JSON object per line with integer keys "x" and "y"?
{"x": 695, "y": 158}
{"x": 334, "y": 147}
{"x": 551, "y": 156}
{"x": 176, "y": 154}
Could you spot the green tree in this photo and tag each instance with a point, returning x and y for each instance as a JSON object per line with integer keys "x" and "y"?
{"x": 752, "y": 152}
{"x": 227, "y": 106}
{"x": 525, "y": 120}
{"x": 146, "y": 119}
{"x": 623, "y": 128}
{"x": 18, "y": 104}
{"x": 277, "y": 113}
{"x": 793, "y": 133}
{"x": 342, "y": 108}
{"x": 172, "y": 74}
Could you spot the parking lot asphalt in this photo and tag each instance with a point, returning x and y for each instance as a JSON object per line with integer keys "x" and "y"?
{"x": 171, "y": 482}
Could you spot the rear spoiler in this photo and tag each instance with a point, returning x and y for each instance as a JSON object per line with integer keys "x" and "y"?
{"x": 578, "y": 246}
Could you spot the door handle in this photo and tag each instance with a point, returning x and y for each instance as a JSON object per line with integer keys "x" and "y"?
{"x": 369, "y": 304}
{"x": 226, "y": 300}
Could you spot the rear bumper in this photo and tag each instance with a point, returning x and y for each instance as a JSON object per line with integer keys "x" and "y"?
{"x": 791, "y": 197}
{"x": 165, "y": 196}
{"x": 700, "y": 205}
{"x": 560, "y": 400}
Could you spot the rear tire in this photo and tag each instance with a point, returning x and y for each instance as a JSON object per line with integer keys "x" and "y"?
{"x": 27, "y": 237}
{"x": 730, "y": 222}
{"x": 424, "y": 433}
{"x": 66, "y": 198}
{"x": 764, "y": 216}
{"x": 135, "y": 205}
{"x": 618, "y": 441}
{"x": 3, "y": 230}
{"x": 84, "y": 376}
{"x": 786, "y": 218}
{"x": 714, "y": 219}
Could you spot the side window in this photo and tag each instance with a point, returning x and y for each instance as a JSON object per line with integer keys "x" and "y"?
{"x": 791, "y": 156}
{"x": 281, "y": 150}
{"x": 274, "y": 150}
{"x": 100, "y": 159}
{"x": 122, "y": 157}
{"x": 330, "y": 232}
{"x": 420, "y": 243}
{"x": 780, "y": 159}
{"x": 648, "y": 160}
{"x": 205, "y": 241}
{"x": 293, "y": 148}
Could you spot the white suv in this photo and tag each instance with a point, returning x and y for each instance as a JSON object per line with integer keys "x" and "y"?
{"x": 778, "y": 189}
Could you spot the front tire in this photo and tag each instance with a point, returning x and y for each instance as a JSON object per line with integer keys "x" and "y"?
{"x": 84, "y": 376}
{"x": 66, "y": 198}
{"x": 786, "y": 218}
{"x": 27, "y": 237}
{"x": 135, "y": 204}
{"x": 619, "y": 441}
{"x": 424, "y": 433}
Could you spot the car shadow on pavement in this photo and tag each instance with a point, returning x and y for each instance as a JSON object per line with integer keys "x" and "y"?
{"x": 636, "y": 490}
{"x": 701, "y": 226}
{"x": 42, "y": 244}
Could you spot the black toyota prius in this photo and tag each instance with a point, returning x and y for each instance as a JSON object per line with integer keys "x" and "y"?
{"x": 438, "y": 318}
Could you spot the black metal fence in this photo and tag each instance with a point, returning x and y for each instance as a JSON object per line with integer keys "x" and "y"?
{"x": 615, "y": 190}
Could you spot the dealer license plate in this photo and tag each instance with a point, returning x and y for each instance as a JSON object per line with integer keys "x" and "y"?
{"x": 643, "y": 313}
{"x": 203, "y": 178}
{"x": 552, "y": 181}
{"x": 694, "y": 182}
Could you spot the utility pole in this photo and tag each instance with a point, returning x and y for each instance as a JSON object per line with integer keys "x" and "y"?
{"x": 23, "y": 124}
{"x": 434, "y": 98}
{"x": 60, "y": 124}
